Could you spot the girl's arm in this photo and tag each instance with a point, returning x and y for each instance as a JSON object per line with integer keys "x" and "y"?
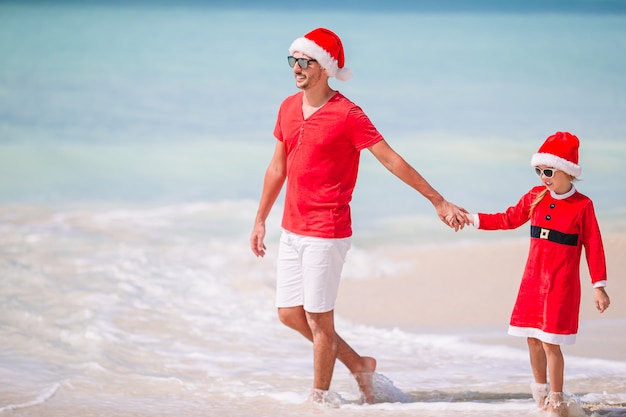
{"x": 513, "y": 217}
{"x": 594, "y": 248}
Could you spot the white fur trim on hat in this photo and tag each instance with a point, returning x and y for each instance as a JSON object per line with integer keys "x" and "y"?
{"x": 557, "y": 162}
{"x": 310, "y": 48}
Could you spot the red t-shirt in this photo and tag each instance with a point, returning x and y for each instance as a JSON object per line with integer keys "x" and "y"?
{"x": 322, "y": 164}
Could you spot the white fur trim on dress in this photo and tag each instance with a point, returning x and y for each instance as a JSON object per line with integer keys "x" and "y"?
{"x": 310, "y": 48}
{"x": 554, "y": 161}
{"x": 555, "y": 339}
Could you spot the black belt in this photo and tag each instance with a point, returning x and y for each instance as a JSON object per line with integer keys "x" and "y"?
{"x": 554, "y": 236}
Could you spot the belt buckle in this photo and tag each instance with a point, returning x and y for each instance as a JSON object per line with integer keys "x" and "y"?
{"x": 545, "y": 233}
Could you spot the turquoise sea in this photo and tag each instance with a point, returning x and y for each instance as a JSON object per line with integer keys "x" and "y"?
{"x": 133, "y": 142}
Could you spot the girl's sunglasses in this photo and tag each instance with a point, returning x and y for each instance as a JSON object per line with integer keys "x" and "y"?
{"x": 548, "y": 172}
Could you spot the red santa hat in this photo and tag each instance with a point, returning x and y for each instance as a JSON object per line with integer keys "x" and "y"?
{"x": 559, "y": 151}
{"x": 324, "y": 46}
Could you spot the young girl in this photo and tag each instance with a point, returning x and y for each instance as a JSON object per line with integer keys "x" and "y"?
{"x": 562, "y": 221}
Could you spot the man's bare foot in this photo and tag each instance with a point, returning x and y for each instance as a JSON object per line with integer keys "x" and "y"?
{"x": 325, "y": 398}
{"x": 364, "y": 378}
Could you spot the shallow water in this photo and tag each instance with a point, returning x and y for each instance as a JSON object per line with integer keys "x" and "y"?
{"x": 133, "y": 141}
{"x": 151, "y": 312}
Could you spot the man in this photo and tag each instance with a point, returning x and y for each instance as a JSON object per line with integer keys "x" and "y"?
{"x": 320, "y": 134}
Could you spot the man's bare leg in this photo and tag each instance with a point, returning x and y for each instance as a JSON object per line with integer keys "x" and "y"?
{"x": 324, "y": 348}
{"x": 361, "y": 367}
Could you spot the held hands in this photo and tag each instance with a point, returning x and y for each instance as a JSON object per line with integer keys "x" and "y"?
{"x": 469, "y": 218}
{"x": 454, "y": 216}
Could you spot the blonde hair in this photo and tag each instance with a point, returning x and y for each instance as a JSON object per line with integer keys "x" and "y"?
{"x": 542, "y": 194}
{"x": 536, "y": 201}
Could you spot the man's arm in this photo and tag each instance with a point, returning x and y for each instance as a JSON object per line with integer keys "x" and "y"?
{"x": 449, "y": 213}
{"x": 275, "y": 176}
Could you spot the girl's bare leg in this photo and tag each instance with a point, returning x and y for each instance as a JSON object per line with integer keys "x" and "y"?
{"x": 556, "y": 367}
{"x": 539, "y": 366}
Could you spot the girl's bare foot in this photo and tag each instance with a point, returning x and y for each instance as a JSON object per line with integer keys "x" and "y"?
{"x": 556, "y": 406}
{"x": 540, "y": 393}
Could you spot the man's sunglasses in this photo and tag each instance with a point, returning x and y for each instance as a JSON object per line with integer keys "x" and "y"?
{"x": 548, "y": 172}
{"x": 302, "y": 62}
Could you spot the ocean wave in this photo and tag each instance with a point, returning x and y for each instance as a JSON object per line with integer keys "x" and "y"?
{"x": 40, "y": 399}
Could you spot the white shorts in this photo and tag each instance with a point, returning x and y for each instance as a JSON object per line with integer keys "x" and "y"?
{"x": 309, "y": 270}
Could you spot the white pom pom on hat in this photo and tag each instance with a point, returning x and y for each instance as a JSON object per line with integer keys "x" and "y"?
{"x": 559, "y": 151}
{"x": 324, "y": 46}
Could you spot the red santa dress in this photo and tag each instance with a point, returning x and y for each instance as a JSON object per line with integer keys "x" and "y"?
{"x": 548, "y": 301}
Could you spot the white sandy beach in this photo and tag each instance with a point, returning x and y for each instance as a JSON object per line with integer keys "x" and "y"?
{"x": 134, "y": 137}
{"x": 470, "y": 289}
